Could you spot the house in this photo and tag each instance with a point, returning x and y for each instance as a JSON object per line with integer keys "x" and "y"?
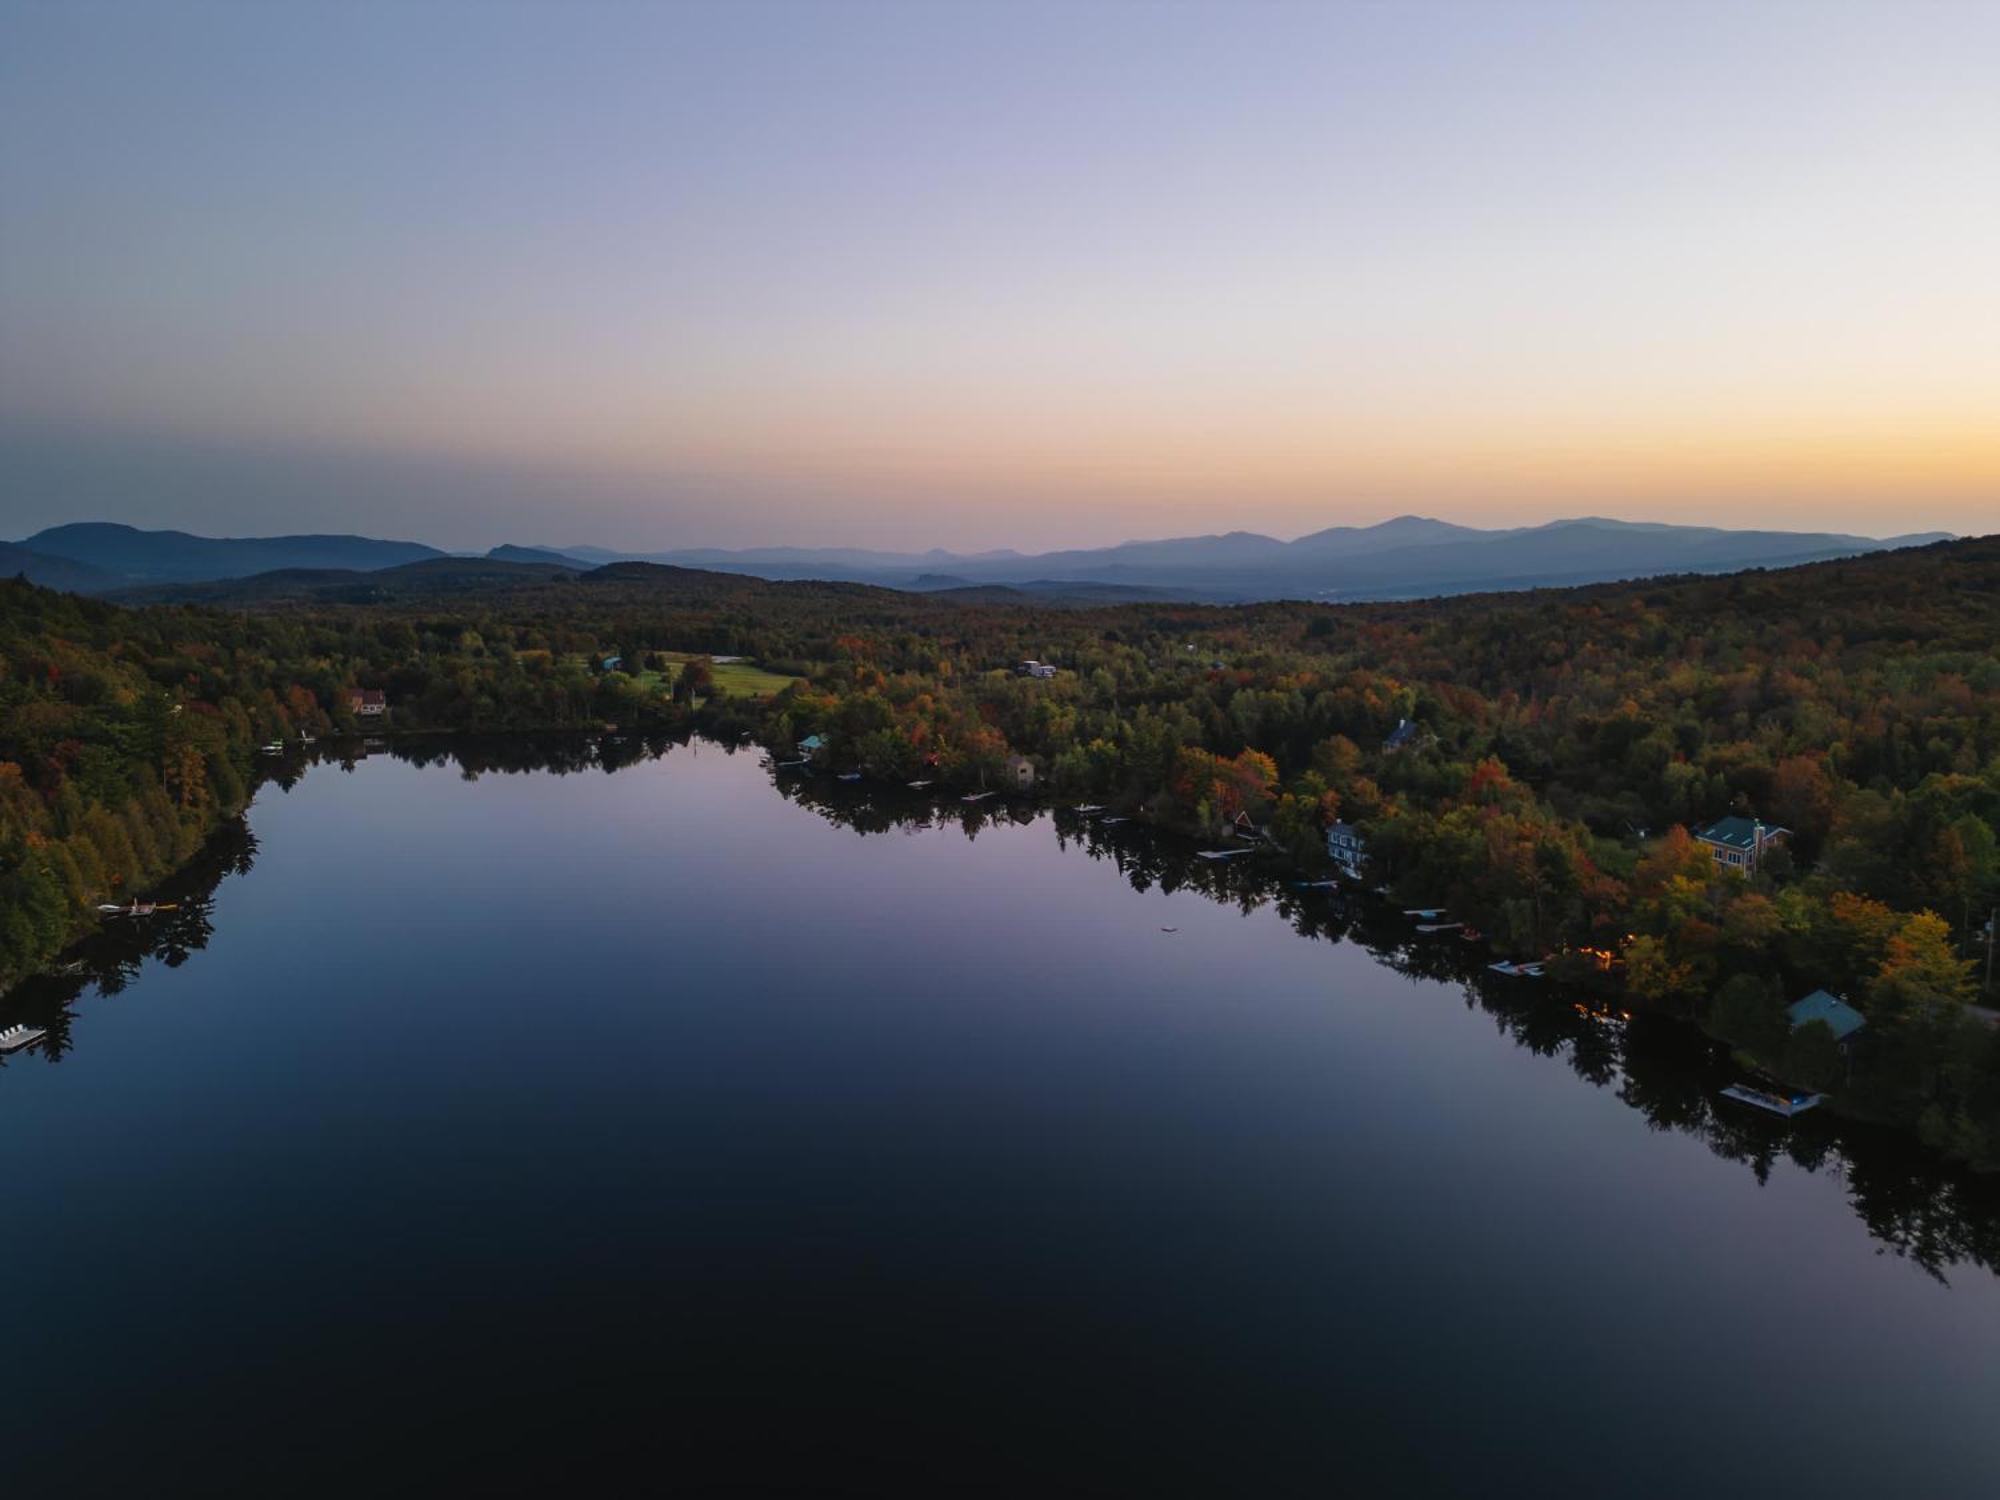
{"x": 1021, "y": 773}
{"x": 1345, "y": 846}
{"x": 367, "y": 703}
{"x": 1032, "y": 668}
{"x": 1739, "y": 843}
{"x": 613, "y": 663}
{"x": 1843, "y": 1019}
{"x": 1244, "y": 827}
{"x": 812, "y": 744}
{"x": 1403, "y": 737}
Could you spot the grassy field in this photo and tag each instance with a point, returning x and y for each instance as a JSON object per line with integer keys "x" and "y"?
{"x": 733, "y": 679}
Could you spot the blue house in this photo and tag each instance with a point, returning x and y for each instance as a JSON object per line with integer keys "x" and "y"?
{"x": 1840, "y": 1017}
{"x": 1346, "y": 847}
{"x": 812, "y": 744}
{"x": 1403, "y": 736}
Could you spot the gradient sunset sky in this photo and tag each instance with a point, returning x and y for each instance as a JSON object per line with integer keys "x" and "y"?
{"x": 1013, "y": 275}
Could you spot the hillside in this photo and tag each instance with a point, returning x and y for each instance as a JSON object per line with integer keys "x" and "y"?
{"x": 131, "y": 556}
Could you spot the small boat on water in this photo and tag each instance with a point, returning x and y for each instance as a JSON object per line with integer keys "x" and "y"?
{"x": 137, "y": 908}
{"x": 918, "y": 786}
{"x": 848, "y": 776}
{"x": 1087, "y": 808}
{"x": 1111, "y": 822}
{"x": 975, "y": 796}
{"x": 1786, "y": 1104}
{"x": 276, "y": 747}
{"x": 14, "y": 1038}
{"x": 1512, "y": 970}
{"x": 1424, "y": 913}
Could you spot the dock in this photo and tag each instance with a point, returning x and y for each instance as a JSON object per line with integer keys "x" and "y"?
{"x": 1223, "y": 853}
{"x": 14, "y": 1038}
{"x": 1784, "y": 1105}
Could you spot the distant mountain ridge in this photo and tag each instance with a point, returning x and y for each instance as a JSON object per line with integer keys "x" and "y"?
{"x": 133, "y": 556}
{"x": 1407, "y": 557}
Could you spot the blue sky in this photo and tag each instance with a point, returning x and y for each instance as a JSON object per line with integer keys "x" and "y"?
{"x": 995, "y": 275}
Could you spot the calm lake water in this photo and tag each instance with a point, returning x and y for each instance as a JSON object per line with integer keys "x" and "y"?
{"x": 483, "y": 1130}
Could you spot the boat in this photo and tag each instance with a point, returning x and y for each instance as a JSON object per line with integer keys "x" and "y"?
{"x": 1439, "y": 926}
{"x": 14, "y": 1038}
{"x": 1111, "y": 822}
{"x": 137, "y": 908}
{"x": 1427, "y": 913}
{"x": 276, "y": 747}
{"x": 975, "y": 796}
{"x": 848, "y": 776}
{"x": 1512, "y": 970}
{"x": 918, "y": 786}
{"x": 1087, "y": 808}
{"x": 1787, "y": 1104}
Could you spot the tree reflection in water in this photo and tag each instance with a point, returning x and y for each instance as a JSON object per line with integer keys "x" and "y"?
{"x": 1935, "y": 1216}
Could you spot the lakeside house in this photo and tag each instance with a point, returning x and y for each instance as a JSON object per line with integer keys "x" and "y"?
{"x": 1345, "y": 847}
{"x": 1246, "y": 827}
{"x": 1020, "y": 773}
{"x": 613, "y": 663}
{"x": 811, "y": 745}
{"x": 1029, "y": 667}
{"x": 367, "y": 703}
{"x": 1740, "y": 843}
{"x": 1842, "y": 1019}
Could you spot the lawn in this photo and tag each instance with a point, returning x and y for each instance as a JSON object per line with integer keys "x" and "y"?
{"x": 733, "y": 679}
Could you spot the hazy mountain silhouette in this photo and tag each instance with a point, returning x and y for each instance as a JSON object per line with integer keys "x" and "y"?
{"x": 1410, "y": 556}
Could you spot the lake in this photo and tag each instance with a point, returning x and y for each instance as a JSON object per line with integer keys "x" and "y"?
{"x": 482, "y": 1121}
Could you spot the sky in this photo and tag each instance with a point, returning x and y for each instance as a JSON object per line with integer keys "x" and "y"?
{"x": 905, "y": 275}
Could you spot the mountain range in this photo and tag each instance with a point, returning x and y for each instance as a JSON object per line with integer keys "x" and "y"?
{"x": 1408, "y": 557}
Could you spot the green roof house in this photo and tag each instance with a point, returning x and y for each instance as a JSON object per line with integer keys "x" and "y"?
{"x": 1739, "y": 843}
{"x": 1841, "y": 1018}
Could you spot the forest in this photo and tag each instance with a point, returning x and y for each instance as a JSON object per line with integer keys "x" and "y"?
{"x": 1561, "y": 746}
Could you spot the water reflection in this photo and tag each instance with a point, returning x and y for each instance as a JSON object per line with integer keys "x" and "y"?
{"x": 1936, "y": 1217}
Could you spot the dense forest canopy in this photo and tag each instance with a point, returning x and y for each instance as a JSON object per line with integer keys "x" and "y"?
{"x": 1563, "y": 744}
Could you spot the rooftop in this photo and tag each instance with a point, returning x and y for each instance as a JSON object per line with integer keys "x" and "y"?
{"x": 1836, "y": 1012}
{"x": 1739, "y": 833}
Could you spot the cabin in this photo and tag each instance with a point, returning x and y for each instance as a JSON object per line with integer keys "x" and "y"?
{"x": 1840, "y": 1017}
{"x": 1020, "y": 773}
{"x": 613, "y": 663}
{"x": 1405, "y": 736}
{"x": 811, "y": 745}
{"x": 1032, "y": 668}
{"x": 1740, "y": 843}
{"x": 367, "y": 703}
{"x": 1245, "y": 827}
{"x": 1345, "y": 846}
